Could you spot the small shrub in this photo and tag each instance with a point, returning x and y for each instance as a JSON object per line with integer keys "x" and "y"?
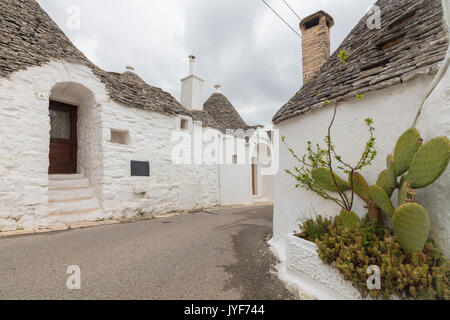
{"x": 422, "y": 275}
{"x": 315, "y": 228}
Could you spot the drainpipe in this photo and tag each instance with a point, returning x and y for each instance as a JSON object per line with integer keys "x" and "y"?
{"x": 442, "y": 71}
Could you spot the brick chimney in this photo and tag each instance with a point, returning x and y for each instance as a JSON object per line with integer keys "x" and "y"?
{"x": 315, "y": 42}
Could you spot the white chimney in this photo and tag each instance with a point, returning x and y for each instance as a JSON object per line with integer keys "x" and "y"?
{"x": 191, "y": 65}
{"x": 192, "y": 89}
{"x": 218, "y": 87}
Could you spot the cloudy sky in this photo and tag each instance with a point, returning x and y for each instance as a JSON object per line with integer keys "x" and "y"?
{"x": 239, "y": 44}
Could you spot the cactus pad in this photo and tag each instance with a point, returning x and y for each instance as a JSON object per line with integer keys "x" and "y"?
{"x": 406, "y": 194}
{"x": 348, "y": 219}
{"x": 403, "y": 179}
{"x": 411, "y": 226}
{"x": 383, "y": 182}
{"x": 360, "y": 186}
{"x": 407, "y": 146}
{"x": 380, "y": 197}
{"x": 391, "y": 171}
{"x": 429, "y": 163}
{"x": 325, "y": 179}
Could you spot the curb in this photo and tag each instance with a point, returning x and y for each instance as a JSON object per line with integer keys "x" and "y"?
{"x": 74, "y": 226}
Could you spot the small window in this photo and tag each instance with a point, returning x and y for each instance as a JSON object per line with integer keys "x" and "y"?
{"x": 120, "y": 137}
{"x": 184, "y": 124}
{"x": 235, "y": 159}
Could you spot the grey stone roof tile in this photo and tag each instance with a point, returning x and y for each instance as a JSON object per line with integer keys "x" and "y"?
{"x": 29, "y": 37}
{"x": 224, "y": 113}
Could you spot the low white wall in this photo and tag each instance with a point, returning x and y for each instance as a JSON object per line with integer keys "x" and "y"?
{"x": 268, "y": 187}
{"x": 392, "y": 110}
{"x": 235, "y": 184}
{"x": 304, "y": 269}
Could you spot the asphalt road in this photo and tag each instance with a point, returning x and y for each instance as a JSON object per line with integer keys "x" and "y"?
{"x": 219, "y": 254}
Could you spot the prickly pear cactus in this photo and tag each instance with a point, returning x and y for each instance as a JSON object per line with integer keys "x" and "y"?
{"x": 383, "y": 182}
{"x": 360, "y": 186}
{"x": 391, "y": 171}
{"x": 407, "y": 146}
{"x": 324, "y": 178}
{"x": 348, "y": 219}
{"x": 411, "y": 226}
{"x": 380, "y": 197}
{"x": 429, "y": 163}
{"x": 406, "y": 194}
{"x": 403, "y": 179}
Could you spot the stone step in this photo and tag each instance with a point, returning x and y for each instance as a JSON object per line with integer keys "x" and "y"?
{"x": 66, "y": 194}
{"x": 65, "y": 176}
{"x": 75, "y": 216}
{"x": 68, "y": 184}
{"x": 70, "y": 205}
{"x": 260, "y": 199}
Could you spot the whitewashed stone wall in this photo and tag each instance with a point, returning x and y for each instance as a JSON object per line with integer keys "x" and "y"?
{"x": 24, "y": 148}
{"x": 435, "y": 121}
{"x": 392, "y": 110}
{"x": 24, "y": 139}
{"x": 236, "y": 184}
{"x": 89, "y": 130}
{"x": 170, "y": 187}
{"x": 192, "y": 92}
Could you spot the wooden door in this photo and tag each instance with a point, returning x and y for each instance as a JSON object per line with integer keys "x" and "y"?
{"x": 63, "y": 138}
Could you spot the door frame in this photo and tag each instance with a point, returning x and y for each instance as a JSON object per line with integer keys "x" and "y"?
{"x": 254, "y": 179}
{"x": 56, "y": 105}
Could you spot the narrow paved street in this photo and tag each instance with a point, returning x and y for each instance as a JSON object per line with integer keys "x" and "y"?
{"x": 220, "y": 254}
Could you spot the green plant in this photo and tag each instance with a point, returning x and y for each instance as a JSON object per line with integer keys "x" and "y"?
{"x": 411, "y": 226}
{"x": 407, "y": 146}
{"x": 423, "y": 165}
{"x": 422, "y": 275}
{"x": 429, "y": 163}
{"x": 348, "y": 219}
{"x": 317, "y": 172}
{"x": 418, "y": 165}
{"x": 313, "y": 229}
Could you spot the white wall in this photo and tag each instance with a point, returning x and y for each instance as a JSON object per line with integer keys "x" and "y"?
{"x": 90, "y": 149}
{"x": 170, "y": 187}
{"x": 268, "y": 187}
{"x": 392, "y": 110}
{"x": 435, "y": 121}
{"x": 24, "y": 138}
{"x": 235, "y": 184}
{"x": 24, "y": 148}
{"x": 192, "y": 92}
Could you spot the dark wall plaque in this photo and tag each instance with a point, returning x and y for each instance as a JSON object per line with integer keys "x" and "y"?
{"x": 140, "y": 169}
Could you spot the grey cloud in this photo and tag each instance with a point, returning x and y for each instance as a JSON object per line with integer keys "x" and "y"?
{"x": 240, "y": 44}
